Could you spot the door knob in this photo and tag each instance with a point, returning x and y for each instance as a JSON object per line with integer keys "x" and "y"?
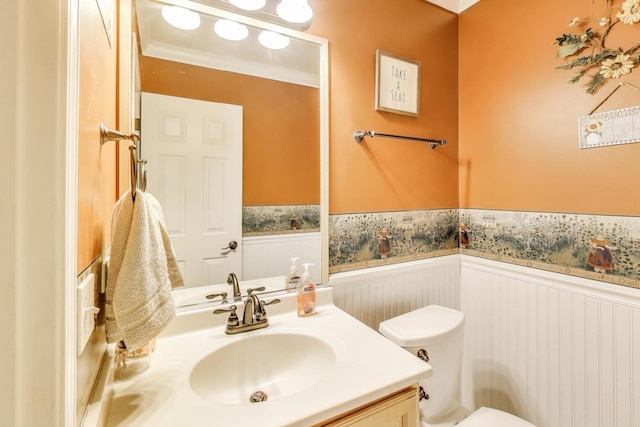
{"x": 232, "y": 246}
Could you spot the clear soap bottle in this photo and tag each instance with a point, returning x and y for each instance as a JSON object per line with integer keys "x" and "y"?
{"x": 306, "y": 294}
{"x": 293, "y": 279}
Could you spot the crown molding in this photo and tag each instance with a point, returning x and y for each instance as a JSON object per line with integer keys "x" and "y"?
{"x": 226, "y": 63}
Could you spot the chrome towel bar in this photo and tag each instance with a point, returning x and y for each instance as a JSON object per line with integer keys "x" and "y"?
{"x": 359, "y": 135}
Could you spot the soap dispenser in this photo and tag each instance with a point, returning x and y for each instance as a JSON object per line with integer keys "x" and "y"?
{"x": 306, "y": 294}
{"x": 293, "y": 279}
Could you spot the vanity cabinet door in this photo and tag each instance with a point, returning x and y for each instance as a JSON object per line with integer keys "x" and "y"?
{"x": 397, "y": 410}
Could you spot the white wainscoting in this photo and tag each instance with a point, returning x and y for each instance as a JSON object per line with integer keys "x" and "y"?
{"x": 557, "y": 350}
{"x": 554, "y": 349}
{"x": 268, "y": 256}
{"x": 376, "y": 294}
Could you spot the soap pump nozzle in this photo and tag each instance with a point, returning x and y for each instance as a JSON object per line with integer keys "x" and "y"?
{"x": 306, "y": 274}
{"x": 293, "y": 278}
{"x": 293, "y": 267}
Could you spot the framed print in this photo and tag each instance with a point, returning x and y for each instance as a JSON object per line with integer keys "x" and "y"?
{"x": 609, "y": 128}
{"x": 397, "y": 84}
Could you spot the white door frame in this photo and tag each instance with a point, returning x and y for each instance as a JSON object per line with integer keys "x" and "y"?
{"x": 39, "y": 308}
{"x": 41, "y": 55}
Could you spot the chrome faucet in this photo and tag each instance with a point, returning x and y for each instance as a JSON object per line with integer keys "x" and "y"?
{"x": 252, "y": 310}
{"x": 232, "y": 280}
{"x": 254, "y": 315}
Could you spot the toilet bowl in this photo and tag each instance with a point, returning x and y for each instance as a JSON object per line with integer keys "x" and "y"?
{"x": 435, "y": 334}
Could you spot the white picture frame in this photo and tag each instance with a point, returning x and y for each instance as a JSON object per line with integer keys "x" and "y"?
{"x": 609, "y": 128}
{"x": 397, "y": 87}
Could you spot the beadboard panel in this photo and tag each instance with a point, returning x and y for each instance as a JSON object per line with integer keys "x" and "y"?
{"x": 376, "y": 294}
{"x": 556, "y": 350}
{"x": 268, "y": 256}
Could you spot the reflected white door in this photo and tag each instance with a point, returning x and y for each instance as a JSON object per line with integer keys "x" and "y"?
{"x": 194, "y": 154}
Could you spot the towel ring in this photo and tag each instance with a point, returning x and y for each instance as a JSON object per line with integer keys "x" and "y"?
{"x": 138, "y": 167}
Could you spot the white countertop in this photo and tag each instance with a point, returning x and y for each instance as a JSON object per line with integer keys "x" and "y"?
{"x": 368, "y": 367}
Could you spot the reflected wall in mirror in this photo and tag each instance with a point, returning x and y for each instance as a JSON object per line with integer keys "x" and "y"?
{"x": 283, "y": 95}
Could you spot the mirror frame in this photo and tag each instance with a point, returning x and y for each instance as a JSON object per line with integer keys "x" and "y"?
{"x": 324, "y": 105}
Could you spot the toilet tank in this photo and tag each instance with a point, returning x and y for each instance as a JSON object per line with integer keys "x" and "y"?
{"x": 438, "y": 333}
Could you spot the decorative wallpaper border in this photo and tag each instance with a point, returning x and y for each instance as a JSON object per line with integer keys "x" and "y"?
{"x": 598, "y": 247}
{"x": 268, "y": 220}
{"x": 371, "y": 239}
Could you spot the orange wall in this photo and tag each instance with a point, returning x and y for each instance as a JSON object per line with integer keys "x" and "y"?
{"x": 286, "y": 175}
{"x": 518, "y": 116}
{"x": 386, "y": 174}
{"x": 96, "y": 163}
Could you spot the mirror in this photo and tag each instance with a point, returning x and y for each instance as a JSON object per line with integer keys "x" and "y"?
{"x": 284, "y": 94}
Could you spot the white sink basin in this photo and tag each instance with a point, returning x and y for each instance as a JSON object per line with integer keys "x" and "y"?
{"x": 311, "y": 369}
{"x": 262, "y": 368}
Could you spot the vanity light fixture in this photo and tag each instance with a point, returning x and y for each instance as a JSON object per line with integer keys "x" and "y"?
{"x": 231, "y": 30}
{"x": 272, "y": 40}
{"x": 248, "y": 4}
{"x": 295, "y": 11}
{"x": 180, "y": 17}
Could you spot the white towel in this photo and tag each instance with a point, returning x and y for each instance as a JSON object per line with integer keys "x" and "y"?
{"x": 142, "y": 272}
{"x": 175, "y": 275}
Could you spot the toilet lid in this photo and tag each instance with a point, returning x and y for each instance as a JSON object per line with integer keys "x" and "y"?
{"x": 488, "y": 417}
{"x": 422, "y": 326}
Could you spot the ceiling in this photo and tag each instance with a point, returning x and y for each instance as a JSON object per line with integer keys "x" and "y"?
{"x": 457, "y": 6}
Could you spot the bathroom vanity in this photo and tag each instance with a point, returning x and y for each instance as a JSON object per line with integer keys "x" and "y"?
{"x": 328, "y": 369}
{"x": 399, "y": 409}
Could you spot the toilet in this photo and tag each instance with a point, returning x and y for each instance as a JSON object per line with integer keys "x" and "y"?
{"x": 435, "y": 334}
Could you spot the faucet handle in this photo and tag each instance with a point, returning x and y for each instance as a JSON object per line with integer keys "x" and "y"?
{"x": 222, "y": 294}
{"x": 261, "y": 313}
{"x": 233, "y": 320}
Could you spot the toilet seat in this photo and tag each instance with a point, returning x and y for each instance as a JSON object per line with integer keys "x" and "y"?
{"x": 489, "y": 417}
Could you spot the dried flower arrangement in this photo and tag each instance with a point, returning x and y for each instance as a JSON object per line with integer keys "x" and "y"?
{"x": 585, "y": 51}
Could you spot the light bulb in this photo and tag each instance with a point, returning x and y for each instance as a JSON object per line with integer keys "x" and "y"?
{"x": 231, "y": 30}
{"x": 180, "y": 17}
{"x": 295, "y": 11}
{"x": 248, "y": 4}
{"x": 272, "y": 40}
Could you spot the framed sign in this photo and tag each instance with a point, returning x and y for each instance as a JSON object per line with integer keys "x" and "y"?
{"x": 609, "y": 128}
{"x": 397, "y": 84}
